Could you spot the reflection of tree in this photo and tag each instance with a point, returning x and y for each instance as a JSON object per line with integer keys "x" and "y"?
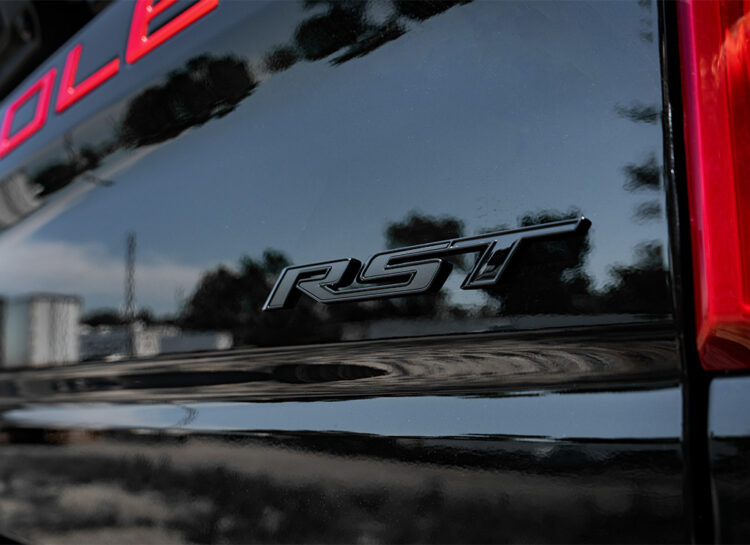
{"x": 104, "y": 316}
{"x": 418, "y": 228}
{"x": 646, "y": 33}
{"x": 344, "y": 25}
{"x": 229, "y": 300}
{"x": 643, "y": 176}
{"x": 58, "y": 175}
{"x": 639, "y": 112}
{"x": 113, "y": 317}
{"x": 324, "y": 34}
{"x": 642, "y": 286}
{"x": 209, "y": 87}
{"x": 371, "y": 39}
{"x": 206, "y": 88}
{"x": 647, "y": 211}
{"x": 279, "y": 59}
{"x": 415, "y": 229}
{"x": 546, "y": 275}
{"x": 422, "y": 10}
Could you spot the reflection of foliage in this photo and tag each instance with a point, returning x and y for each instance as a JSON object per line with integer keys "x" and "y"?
{"x": 422, "y": 10}
{"x": 639, "y": 112}
{"x": 642, "y": 286}
{"x": 647, "y": 211}
{"x": 416, "y": 228}
{"x": 206, "y": 88}
{"x": 146, "y": 316}
{"x": 58, "y": 175}
{"x": 546, "y": 276}
{"x": 209, "y": 87}
{"x": 113, "y": 317}
{"x": 322, "y": 35}
{"x": 374, "y": 37}
{"x": 646, "y": 33}
{"x": 420, "y": 229}
{"x": 345, "y": 25}
{"x": 104, "y": 316}
{"x": 280, "y": 59}
{"x": 646, "y": 175}
{"x": 229, "y": 300}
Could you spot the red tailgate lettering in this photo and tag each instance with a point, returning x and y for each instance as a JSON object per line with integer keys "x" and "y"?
{"x": 141, "y": 42}
{"x": 69, "y": 92}
{"x": 44, "y": 87}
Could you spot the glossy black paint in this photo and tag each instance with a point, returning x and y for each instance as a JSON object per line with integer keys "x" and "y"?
{"x": 545, "y": 408}
{"x": 213, "y": 151}
{"x": 275, "y": 487}
{"x": 729, "y": 451}
{"x": 403, "y": 469}
{"x": 587, "y": 358}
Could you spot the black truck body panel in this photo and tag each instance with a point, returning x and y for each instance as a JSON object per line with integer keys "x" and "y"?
{"x": 549, "y": 407}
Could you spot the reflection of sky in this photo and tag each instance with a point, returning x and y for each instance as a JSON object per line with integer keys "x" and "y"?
{"x": 729, "y": 403}
{"x": 483, "y": 113}
{"x": 610, "y": 415}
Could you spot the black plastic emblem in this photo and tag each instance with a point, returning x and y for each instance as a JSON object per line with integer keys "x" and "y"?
{"x": 412, "y": 270}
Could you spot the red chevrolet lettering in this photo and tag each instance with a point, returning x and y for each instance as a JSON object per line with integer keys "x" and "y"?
{"x": 69, "y": 92}
{"x": 43, "y": 87}
{"x": 141, "y": 42}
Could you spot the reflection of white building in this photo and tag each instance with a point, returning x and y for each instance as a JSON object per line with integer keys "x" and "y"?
{"x": 39, "y": 330}
{"x": 117, "y": 342}
{"x": 42, "y": 330}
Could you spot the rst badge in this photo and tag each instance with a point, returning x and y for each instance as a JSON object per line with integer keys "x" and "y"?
{"x": 412, "y": 270}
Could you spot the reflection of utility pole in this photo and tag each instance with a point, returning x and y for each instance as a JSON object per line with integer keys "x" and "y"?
{"x": 130, "y": 278}
{"x": 130, "y": 290}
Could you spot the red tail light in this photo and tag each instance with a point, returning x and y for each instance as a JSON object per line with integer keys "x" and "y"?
{"x": 715, "y": 59}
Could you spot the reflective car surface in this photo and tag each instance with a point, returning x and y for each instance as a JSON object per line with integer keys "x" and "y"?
{"x": 146, "y": 394}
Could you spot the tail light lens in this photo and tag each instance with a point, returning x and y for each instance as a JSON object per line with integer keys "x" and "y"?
{"x": 715, "y": 61}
